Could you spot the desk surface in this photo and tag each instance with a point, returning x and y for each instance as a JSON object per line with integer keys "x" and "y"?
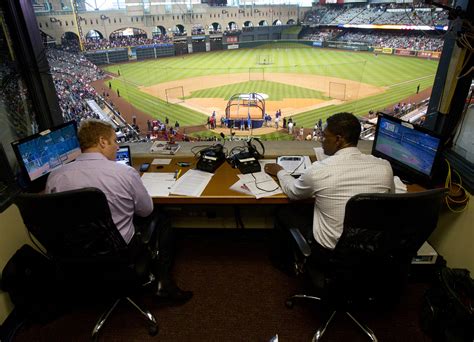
{"x": 217, "y": 191}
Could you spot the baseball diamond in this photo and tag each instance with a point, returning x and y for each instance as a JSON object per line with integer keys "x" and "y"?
{"x": 305, "y": 83}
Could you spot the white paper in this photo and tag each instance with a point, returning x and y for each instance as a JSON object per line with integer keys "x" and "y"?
{"x": 192, "y": 183}
{"x": 295, "y": 165}
{"x": 318, "y": 151}
{"x": 158, "y": 184}
{"x": 239, "y": 186}
{"x": 260, "y": 184}
{"x": 161, "y": 161}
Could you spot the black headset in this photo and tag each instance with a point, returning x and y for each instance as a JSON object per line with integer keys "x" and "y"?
{"x": 253, "y": 150}
{"x": 246, "y": 151}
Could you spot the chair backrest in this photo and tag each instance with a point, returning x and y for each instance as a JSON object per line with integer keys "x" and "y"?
{"x": 382, "y": 233}
{"x": 90, "y": 256}
{"x": 72, "y": 224}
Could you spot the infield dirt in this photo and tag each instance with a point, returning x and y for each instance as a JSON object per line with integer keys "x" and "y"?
{"x": 288, "y": 106}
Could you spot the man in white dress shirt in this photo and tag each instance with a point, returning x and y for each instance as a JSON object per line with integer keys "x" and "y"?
{"x": 332, "y": 181}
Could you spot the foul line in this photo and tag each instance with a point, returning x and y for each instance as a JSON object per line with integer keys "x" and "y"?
{"x": 409, "y": 81}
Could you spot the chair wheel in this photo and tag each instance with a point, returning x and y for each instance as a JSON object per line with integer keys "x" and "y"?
{"x": 289, "y": 304}
{"x": 153, "y": 330}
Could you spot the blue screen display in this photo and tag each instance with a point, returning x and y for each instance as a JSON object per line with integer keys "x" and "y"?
{"x": 408, "y": 145}
{"x": 44, "y": 152}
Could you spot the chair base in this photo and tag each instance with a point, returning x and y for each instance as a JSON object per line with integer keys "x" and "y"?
{"x": 322, "y": 329}
{"x": 151, "y": 320}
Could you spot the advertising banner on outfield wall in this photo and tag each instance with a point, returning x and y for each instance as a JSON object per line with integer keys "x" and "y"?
{"x": 429, "y": 54}
{"x": 232, "y": 46}
{"x": 387, "y": 51}
{"x": 404, "y": 52}
{"x": 347, "y": 46}
{"x": 318, "y": 44}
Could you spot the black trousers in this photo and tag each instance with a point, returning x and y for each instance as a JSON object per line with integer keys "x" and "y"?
{"x": 162, "y": 242}
{"x": 283, "y": 249}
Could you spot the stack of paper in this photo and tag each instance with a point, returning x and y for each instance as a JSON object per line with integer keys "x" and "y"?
{"x": 258, "y": 184}
{"x": 192, "y": 183}
{"x": 158, "y": 184}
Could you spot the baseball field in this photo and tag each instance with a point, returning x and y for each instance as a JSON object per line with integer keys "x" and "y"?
{"x": 303, "y": 82}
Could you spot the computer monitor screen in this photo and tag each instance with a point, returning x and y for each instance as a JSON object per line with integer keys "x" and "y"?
{"x": 411, "y": 150}
{"x": 124, "y": 156}
{"x": 43, "y": 152}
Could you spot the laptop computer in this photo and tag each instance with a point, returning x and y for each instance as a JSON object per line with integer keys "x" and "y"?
{"x": 124, "y": 156}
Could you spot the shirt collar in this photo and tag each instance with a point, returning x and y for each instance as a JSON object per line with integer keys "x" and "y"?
{"x": 348, "y": 150}
{"x": 91, "y": 156}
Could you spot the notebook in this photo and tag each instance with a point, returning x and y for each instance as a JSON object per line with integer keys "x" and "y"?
{"x": 124, "y": 156}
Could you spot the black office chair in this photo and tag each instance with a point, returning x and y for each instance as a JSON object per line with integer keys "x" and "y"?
{"x": 370, "y": 263}
{"x": 91, "y": 258}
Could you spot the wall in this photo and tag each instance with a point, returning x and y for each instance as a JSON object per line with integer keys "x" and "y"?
{"x": 454, "y": 236}
{"x": 13, "y": 233}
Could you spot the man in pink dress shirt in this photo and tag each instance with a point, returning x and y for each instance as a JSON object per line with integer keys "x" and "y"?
{"x": 126, "y": 195}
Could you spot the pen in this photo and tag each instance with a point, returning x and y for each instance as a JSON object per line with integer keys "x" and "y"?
{"x": 178, "y": 174}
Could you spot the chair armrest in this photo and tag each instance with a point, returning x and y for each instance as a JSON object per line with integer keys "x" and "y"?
{"x": 301, "y": 242}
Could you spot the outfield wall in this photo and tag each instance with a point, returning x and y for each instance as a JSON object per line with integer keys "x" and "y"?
{"x": 207, "y": 43}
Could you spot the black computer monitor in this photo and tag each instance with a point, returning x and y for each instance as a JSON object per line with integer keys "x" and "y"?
{"x": 412, "y": 150}
{"x": 41, "y": 153}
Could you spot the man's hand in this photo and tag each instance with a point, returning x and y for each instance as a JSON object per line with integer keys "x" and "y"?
{"x": 272, "y": 169}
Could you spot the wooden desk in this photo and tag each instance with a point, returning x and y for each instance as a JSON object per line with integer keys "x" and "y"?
{"x": 217, "y": 191}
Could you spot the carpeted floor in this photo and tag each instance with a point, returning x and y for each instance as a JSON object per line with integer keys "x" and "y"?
{"x": 238, "y": 296}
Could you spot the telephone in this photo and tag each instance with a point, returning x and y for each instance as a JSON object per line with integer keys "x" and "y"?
{"x": 247, "y": 158}
{"x": 210, "y": 158}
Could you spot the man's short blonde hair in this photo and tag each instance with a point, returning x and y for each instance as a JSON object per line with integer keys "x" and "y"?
{"x": 91, "y": 130}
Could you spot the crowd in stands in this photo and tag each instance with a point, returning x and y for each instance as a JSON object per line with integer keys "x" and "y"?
{"x": 198, "y": 30}
{"x": 14, "y": 99}
{"x": 124, "y": 41}
{"x": 402, "y": 40}
{"x": 412, "y": 40}
{"x": 72, "y": 76}
{"x": 322, "y": 35}
{"x": 376, "y": 14}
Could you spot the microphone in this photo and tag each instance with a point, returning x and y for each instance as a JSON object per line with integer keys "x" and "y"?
{"x": 223, "y": 138}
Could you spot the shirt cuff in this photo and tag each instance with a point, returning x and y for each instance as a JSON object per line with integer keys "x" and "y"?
{"x": 281, "y": 173}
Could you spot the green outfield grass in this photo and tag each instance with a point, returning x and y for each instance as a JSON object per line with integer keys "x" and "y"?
{"x": 400, "y": 76}
{"x": 275, "y": 91}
